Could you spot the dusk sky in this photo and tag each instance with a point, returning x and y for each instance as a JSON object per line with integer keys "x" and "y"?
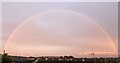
{"x": 53, "y": 29}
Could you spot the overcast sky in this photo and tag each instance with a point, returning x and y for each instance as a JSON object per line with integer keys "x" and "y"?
{"x": 59, "y": 0}
{"x": 104, "y": 14}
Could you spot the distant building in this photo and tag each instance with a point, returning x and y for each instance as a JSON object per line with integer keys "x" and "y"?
{"x": 31, "y": 58}
{"x": 4, "y": 53}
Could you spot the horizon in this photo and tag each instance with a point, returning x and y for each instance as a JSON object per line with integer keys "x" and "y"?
{"x": 92, "y": 56}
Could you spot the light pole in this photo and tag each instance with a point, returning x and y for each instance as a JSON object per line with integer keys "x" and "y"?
{"x": 105, "y": 60}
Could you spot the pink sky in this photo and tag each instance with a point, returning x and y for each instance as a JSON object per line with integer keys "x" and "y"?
{"x": 59, "y": 32}
{"x": 60, "y": 29}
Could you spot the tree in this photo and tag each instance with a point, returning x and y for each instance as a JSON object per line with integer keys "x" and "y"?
{"x": 6, "y": 59}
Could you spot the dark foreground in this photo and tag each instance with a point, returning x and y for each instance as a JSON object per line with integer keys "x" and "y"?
{"x": 61, "y": 62}
{"x": 57, "y": 59}
{"x": 65, "y": 62}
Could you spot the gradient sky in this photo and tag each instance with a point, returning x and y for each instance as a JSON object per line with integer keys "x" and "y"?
{"x": 59, "y": 0}
{"x": 60, "y": 32}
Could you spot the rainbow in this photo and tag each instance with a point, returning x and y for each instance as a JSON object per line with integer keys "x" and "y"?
{"x": 76, "y": 13}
